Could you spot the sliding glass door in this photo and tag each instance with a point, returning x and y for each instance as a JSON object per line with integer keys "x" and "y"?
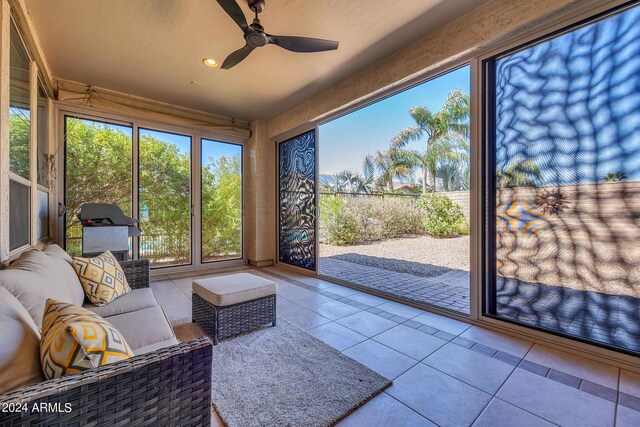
{"x": 221, "y": 186}
{"x": 98, "y": 169}
{"x": 563, "y": 183}
{"x": 164, "y": 197}
{"x": 182, "y": 224}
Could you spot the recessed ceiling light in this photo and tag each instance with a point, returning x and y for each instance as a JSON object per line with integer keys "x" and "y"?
{"x": 210, "y": 62}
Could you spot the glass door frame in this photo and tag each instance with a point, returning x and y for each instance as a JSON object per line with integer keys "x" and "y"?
{"x": 62, "y": 110}
{"x": 137, "y": 188}
{"x": 486, "y": 188}
{"x": 567, "y": 343}
{"x": 201, "y": 140}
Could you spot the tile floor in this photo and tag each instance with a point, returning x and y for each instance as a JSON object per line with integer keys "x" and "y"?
{"x": 592, "y": 315}
{"x": 445, "y": 372}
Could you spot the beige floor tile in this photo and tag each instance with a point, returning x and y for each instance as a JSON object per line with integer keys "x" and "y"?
{"x": 366, "y": 324}
{"x": 385, "y": 361}
{"x": 443, "y": 323}
{"x": 501, "y": 342}
{"x": 630, "y": 383}
{"x": 481, "y": 371}
{"x": 503, "y": 414}
{"x": 300, "y": 316}
{"x": 384, "y": 411}
{"x": 556, "y": 402}
{"x": 335, "y": 310}
{"x": 581, "y": 367}
{"x": 439, "y": 397}
{"x": 627, "y": 417}
{"x": 337, "y": 336}
{"x": 415, "y": 344}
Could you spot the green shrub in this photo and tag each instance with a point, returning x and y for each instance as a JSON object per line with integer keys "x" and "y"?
{"x": 346, "y": 220}
{"x": 443, "y": 217}
{"x": 343, "y": 229}
{"x": 400, "y": 216}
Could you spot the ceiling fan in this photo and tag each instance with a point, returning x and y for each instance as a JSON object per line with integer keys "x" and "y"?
{"x": 255, "y": 36}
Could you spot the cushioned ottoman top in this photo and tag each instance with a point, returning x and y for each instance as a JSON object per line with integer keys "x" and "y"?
{"x": 233, "y": 288}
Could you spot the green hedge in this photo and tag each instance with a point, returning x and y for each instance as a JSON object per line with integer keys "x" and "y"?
{"x": 346, "y": 220}
{"x": 443, "y": 217}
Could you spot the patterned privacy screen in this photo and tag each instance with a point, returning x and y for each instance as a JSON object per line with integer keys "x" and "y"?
{"x": 566, "y": 186}
{"x": 297, "y": 201}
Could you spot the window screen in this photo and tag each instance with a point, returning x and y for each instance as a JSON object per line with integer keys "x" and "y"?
{"x": 564, "y": 197}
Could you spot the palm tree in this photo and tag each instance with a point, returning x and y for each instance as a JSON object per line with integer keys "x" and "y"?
{"x": 387, "y": 165}
{"x": 615, "y": 177}
{"x": 520, "y": 173}
{"x": 455, "y": 175}
{"x": 446, "y": 133}
{"x": 347, "y": 181}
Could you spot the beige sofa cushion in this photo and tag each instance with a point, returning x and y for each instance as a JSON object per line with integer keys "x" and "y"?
{"x": 19, "y": 345}
{"x": 33, "y": 278}
{"x": 62, "y": 260}
{"x": 56, "y": 251}
{"x": 157, "y": 346}
{"x": 137, "y": 299}
{"x": 143, "y": 327}
{"x": 233, "y": 288}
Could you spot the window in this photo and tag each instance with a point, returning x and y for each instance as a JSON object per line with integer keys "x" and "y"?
{"x": 97, "y": 170}
{"x": 165, "y": 197}
{"x": 563, "y": 183}
{"x": 19, "y": 144}
{"x": 221, "y": 200}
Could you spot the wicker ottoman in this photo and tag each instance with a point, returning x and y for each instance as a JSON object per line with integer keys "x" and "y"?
{"x": 229, "y": 305}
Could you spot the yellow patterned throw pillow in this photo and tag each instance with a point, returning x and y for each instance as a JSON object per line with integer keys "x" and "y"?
{"x": 102, "y": 278}
{"x": 74, "y": 339}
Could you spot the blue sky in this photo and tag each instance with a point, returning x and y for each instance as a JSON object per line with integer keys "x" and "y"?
{"x": 345, "y": 142}
{"x": 213, "y": 150}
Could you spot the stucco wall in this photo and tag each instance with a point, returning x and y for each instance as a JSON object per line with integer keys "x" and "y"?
{"x": 489, "y": 25}
{"x": 260, "y": 196}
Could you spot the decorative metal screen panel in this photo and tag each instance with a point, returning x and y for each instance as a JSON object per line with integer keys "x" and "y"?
{"x": 297, "y": 201}
{"x": 566, "y": 224}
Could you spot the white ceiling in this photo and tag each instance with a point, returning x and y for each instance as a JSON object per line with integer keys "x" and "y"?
{"x": 154, "y": 48}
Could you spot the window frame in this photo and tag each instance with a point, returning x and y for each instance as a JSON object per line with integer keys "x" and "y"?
{"x": 242, "y": 211}
{"x": 32, "y": 182}
{"x": 62, "y": 109}
{"x": 486, "y": 253}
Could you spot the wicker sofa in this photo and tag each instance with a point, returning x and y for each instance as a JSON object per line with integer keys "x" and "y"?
{"x": 165, "y": 383}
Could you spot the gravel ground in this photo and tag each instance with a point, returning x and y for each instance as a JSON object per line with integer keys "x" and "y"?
{"x": 423, "y": 256}
{"x": 572, "y": 257}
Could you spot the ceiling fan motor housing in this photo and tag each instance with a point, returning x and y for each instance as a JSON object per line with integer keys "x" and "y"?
{"x": 256, "y": 38}
{"x": 256, "y": 5}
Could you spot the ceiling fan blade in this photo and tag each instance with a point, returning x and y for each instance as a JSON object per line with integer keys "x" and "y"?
{"x": 236, "y": 57}
{"x": 234, "y": 11}
{"x": 303, "y": 44}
